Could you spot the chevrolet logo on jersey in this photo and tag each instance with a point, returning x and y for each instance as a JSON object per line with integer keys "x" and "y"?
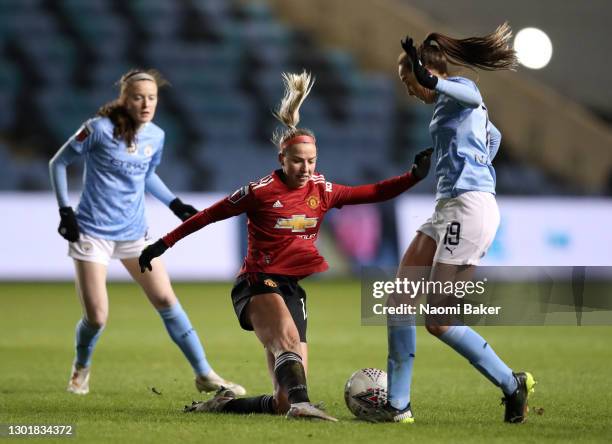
{"x": 298, "y": 223}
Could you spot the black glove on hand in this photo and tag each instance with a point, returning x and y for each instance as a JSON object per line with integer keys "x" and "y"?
{"x": 182, "y": 210}
{"x": 422, "y": 160}
{"x": 423, "y": 76}
{"x": 151, "y": 252}
{"x": 68, "y": 227}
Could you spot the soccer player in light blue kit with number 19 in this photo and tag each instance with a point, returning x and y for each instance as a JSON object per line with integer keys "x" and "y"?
{"x": 121, "y": 148}
{"x": 451, "y": 243}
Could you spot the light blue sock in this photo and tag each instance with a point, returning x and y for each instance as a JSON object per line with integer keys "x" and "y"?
{"x": 86, "y": 338}
{"x": 402, "y": 348}
{"x": 182, "y": 333}
{"x": 475, "y": 349}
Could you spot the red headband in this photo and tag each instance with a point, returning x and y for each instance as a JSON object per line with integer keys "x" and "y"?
{"x": 302, "y": 138}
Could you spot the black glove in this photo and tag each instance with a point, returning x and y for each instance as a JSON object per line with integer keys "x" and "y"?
{"x": 182, "y": 210}
{"x": 151, "y": 252}
{"x": 68, "y": 227}
{"x": 423, "y": 76}
{"x": 422, "y": 160}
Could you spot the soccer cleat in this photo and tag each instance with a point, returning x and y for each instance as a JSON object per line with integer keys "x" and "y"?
{"x": 306, "y": 410}
{"x": 516, "y": 403}
{"x": 214, "y": 404}
{"x": 79, "y": 380}
{"x": 212, "y": 382}
{"x": 388, "y": 413}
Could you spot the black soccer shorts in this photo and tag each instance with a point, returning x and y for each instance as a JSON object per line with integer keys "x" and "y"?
{"x": 249, "y": 285}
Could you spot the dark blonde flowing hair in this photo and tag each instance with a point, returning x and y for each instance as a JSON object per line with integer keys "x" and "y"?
{"x": 124, "y": 126}
{"x": 297, "y": 88}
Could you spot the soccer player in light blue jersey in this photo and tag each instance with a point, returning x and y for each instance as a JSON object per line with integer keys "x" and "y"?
{"x": 121, "y": 147}
{"x": 451, "y": 243}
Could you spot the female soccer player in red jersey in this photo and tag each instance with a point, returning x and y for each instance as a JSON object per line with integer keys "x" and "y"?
{"x": 285, "y": 210}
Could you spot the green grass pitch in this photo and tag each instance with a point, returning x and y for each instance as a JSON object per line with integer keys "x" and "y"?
{"x": 451, "y": 401}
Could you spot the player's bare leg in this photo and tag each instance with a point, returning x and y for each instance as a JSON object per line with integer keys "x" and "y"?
{"x": 277, "y": 331}
{"x": 263, "y": 312}
{"x": 156, "y": 285}
{"x": 91, "y": 288}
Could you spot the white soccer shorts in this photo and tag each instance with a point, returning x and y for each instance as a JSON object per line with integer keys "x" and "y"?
{"x": 463, "y": 227}
{"x": 93, "y": 249}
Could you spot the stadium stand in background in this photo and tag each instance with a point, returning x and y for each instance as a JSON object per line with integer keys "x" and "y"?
{"x": 59, "y": 60}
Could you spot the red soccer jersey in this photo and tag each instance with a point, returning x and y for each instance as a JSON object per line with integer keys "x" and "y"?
{"x": 283, "y": 223}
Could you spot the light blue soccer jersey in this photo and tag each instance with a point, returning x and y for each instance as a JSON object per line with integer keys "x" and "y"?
{"x": 115, "y": 177}
{"x": 464, "y": 139}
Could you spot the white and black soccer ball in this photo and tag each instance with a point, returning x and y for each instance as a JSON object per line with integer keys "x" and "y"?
{"x": 365, "y": 392}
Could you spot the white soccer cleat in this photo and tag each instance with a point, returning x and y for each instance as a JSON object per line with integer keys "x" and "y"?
{"x": 212, "y": 382}
{"x": 216, "y": 404}
{"x": 306, "y": 410}
{"x": 79, "y": 381}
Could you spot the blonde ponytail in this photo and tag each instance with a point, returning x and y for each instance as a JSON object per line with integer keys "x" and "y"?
{"x": 297, "y": 88}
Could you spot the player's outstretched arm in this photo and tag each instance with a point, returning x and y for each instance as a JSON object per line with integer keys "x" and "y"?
{"x": 239, "y": 202}
{"x": 387, "y": 189}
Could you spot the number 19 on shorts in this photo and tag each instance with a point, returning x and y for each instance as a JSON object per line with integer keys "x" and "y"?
{"x": 453, "y": 234}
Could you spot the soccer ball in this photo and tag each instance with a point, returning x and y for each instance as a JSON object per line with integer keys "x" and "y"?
{"x": 365, "y": 392}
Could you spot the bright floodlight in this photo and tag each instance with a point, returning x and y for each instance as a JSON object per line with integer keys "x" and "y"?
{"x": 533, "y": 48}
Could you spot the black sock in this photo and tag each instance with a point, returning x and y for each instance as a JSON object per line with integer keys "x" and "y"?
{"x": 290, "y": 375}
{"x": 257, "y": 404}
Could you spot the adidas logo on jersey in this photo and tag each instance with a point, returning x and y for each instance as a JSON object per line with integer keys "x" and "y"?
{"x": 277, "y": 204}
